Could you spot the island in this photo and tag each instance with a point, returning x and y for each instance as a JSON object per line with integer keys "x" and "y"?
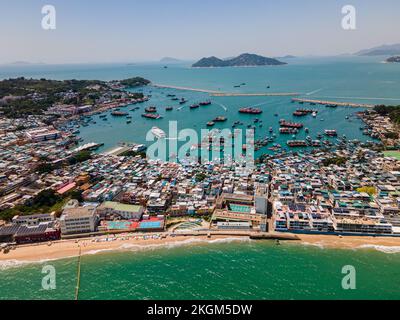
{"x": 244, "y": 60}
{"x": 389, "y": 50}
{"x": 395, "y": 59}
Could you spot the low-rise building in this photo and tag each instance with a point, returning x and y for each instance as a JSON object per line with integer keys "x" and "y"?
{"x": 78, "y": 220}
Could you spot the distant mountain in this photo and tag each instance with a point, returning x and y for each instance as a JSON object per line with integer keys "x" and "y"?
{"x": 25, "y": 63}
{"x": 395, "y": 59}
{"x": 244, "y": 60}
{"x": 385, "y": 50}
{"x": 167, "y": 60}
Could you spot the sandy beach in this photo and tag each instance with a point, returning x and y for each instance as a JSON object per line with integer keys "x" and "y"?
{"x": 70, "y": 248}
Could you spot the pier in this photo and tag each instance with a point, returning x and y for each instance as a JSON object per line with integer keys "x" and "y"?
{"x": 214, "y": 93}
{"x": 185, "y": 88}
{"x": 78, "y": 275}
{"x": 339, "y": 104}
{"x": 271, "y": 94}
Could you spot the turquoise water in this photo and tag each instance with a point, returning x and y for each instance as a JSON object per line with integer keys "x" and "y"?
{"x": 237, "y": 270}
{"x": 353, "y": 79}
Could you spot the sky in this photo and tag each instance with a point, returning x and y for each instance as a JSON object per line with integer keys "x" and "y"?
{"x": 93, "y": 31}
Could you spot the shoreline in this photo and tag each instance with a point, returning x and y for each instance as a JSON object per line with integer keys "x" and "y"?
{"x": 67, "y": 249}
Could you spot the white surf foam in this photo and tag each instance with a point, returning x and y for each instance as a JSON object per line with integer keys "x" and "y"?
{"x": 385, "y": 249}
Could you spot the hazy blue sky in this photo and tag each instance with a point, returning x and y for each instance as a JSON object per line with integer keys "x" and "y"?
{"x": 134, "y": 30}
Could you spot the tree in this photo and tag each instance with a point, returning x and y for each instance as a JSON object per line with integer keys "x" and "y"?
{"x": 367, "y": 189}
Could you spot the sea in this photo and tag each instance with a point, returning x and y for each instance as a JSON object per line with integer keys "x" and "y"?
{"x": 228, "y": 269}
{"x": 215, "y": 269}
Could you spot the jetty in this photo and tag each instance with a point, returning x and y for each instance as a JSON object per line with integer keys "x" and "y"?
{"x": 336, "y": 103}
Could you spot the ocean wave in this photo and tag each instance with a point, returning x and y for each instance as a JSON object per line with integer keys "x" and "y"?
{"x": 12, "y": 263}
{"x": 385, "y": 249}
{"x": 313, "y": 244}
{"x": 175, "y": 244}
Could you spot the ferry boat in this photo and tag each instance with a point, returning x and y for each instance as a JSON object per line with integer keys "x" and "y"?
{"x": 287, "y": 124}
{"x": 151, "y": 109}
{"x": 158, "y": 133}
{"x": 331, "y": 133}
{"x": 151, "y": 116}
{"x": 250, "y": 110}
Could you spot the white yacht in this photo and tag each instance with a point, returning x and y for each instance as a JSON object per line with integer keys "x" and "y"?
{"x": 158, "y": 133}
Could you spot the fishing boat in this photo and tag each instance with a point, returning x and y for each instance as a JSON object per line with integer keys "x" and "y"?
{"x": 129, "y": 121}
{"x": 288, "y": 130}
{"x": 119, "y": 114}
{"x": 183, "y": 101}
{"x": 169, "y": 108}
{"x": 205, "y": 103}
{"x": 210, "y": 124}
{"x": 151, "y": 109}
{"x": 250, "y": 110}
{"x": 331, "y": 133}
{"x": 287, "y": 124}
{"x": 220, "y": 119}
{"x": 314, "y": 114}
{"x": 297, "y": 143}
{"x": 151, "y": 116}
{"x": 194, "y": 106}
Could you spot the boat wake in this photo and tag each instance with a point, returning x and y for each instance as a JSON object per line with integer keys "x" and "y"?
{"x": 9, "y": 264}
{"x": 313, "y": 92}
{"x": 221, "y": 105}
